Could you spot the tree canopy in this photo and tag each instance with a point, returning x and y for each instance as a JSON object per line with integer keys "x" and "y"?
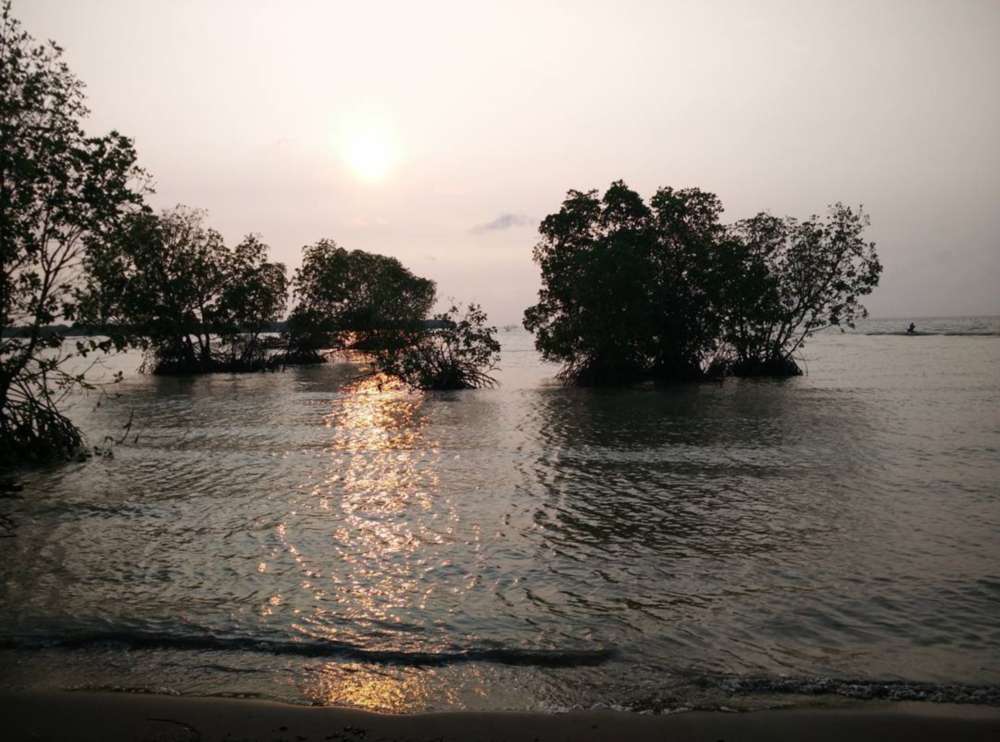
{"x": 168, "y": 283}
{"x": 785, "y": 279}
{"x": 61, "y": 193}
{"x": 350, "y": 298}
{"x": 254, "y": 296}
{"x": 362, "y": 301}
{"x": 625, "y": 286}
{"x": 666, "y": 291}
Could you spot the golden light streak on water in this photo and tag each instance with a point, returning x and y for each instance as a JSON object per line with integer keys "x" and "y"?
{"x": 370, "y": 563}
{"x": 359, "y": 686}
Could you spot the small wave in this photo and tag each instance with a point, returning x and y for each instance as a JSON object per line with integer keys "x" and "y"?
{"x": 139, "y": 640}
{"x": 891, "y": 690}
{"x": 931, "y": 333}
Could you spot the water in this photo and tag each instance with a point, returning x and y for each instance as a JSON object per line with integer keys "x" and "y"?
{"x": 307, "y": 538}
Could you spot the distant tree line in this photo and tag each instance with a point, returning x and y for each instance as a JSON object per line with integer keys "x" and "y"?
{"x": 665, "y": 291}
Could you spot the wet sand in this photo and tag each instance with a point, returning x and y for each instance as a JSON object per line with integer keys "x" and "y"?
{"x": 114, "y": 717}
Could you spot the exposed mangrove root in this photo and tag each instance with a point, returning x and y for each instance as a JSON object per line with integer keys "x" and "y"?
{"x": 33, "y": 431}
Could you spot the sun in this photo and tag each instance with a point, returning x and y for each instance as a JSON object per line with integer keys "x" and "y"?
{"x": 369, "y": 150}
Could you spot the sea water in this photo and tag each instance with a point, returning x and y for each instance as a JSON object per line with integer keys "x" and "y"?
{"x": 310, "y": 537}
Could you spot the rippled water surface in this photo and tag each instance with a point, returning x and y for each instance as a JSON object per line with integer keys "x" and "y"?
{"x": 305, "y": 537}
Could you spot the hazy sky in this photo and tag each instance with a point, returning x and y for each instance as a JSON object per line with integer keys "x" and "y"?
{"x": 441, "y": 133}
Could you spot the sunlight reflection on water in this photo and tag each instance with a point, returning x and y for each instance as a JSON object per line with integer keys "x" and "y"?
{"x": 353, "y": 684}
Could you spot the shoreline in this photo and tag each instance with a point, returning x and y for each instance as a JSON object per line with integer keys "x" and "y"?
{"x": 80, "y": 716}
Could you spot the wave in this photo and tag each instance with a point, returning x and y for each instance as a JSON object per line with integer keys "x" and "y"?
{"x": 555, "y": 658}
{"x": 714, "y": 692}
{"x": 890, "y": 690}
{"x": 922, "y": 333}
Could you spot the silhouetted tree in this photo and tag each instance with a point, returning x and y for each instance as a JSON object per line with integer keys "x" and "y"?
{"x": 667, "y": 292}
{"x": 625, "y": 287}
{"x": 786, "y": 279}
{"x": 254, "y": 296}
{"x": 61, "y": 193}
{"x": 686, "y": 280}
{"x": 592, "y": 313}
{"x": 168, "y": 284}
{"x": 452, "y": 352}
{"x": 352, "y": 299}
{"x": 159, "y": 282}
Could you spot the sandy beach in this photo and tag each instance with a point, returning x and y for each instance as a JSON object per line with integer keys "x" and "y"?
{"x": 113, "y": 717}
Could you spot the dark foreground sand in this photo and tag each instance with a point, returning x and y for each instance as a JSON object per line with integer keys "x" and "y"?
{"x": 110, "y": 717}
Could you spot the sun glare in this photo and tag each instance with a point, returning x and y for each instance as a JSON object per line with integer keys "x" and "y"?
{"x": 369, "y": 149}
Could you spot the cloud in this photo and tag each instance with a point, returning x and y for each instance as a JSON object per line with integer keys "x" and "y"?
{"x": 504, "y": 221}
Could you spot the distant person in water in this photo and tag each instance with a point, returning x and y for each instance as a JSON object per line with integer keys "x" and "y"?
{"x": 912, "y": 329}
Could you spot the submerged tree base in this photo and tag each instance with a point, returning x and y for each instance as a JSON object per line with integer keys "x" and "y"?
{"x": 593, "y": 376}
{"x": 161, "y": 366}
{"x": 610, "y": 376}
{"x": 779, "y": 367}
{"x": 300, "y": 358}
{"x": 603, "y": 374}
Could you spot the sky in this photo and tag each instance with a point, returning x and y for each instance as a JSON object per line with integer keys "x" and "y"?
{"x": 441, "y": 133}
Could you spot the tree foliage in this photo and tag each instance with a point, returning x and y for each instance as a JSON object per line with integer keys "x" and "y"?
{"x": 254, "y": 295}
{"x": 61, "y": 193}
{"x": 686, "y": 229}
{"x": 352, "y": 299}
{"x": 455, "y": 351}
{"x": 786, "y": 279}
{"x": 169, "y": 284}
{"x": 624, "y": 293}
{"x": 666, "y": 291}
{"x": 372, "y": 303}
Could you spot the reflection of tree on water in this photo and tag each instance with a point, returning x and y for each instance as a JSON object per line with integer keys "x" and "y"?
{"x": 722, "y": 469}
{"x": 679, "y": 518}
